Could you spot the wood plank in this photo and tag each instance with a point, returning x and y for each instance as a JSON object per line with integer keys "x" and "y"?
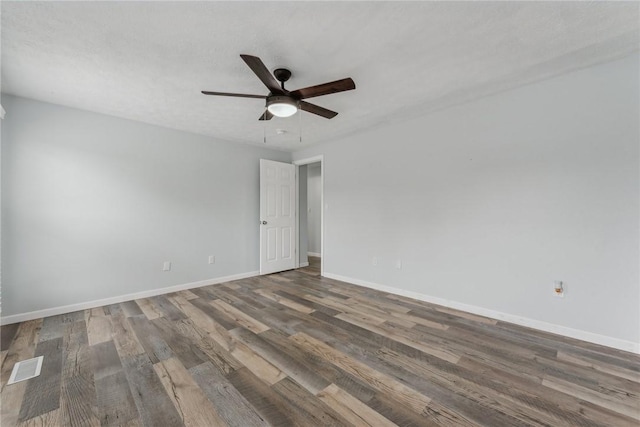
{"x": 52, "y": 327}
{"x": 260, "y": 367}
{"x": 461, "y": 389}
{"x": 202, "y": 320}
{"x": 284, "y": 301}
{"x": 154, "y": 405}
{"x": 98, "y": 326}
{"x": 279, "y": 278}
{"x": 351, "y": 409}
{"x": 42, "y": 394}
{"x": 168, "y": 310}
{"x": 78, "y": 404}
{"x": 215, "y": 353}
{"x": 345, "y": 308}
{"x": 415, "y": 304}
{"x": 187, "y": 294}
{"x": 560, "y": 407}
{"x": 271, "y": 314}
{"x": 379, "y": 381}
{"x": 114, "y": 399}
{"x": 486, "y": 346}
{"x": 403, "y": 337}
{"x": 584, "y": 376}
{"x": 51, "y": 418}
{"x": 239, "y": 317}
{"x": 148, "y": 308}
{"x": 302, "y": 301}
{"x": 23, "y": 347}
{"x": 359, "y": 319}
{"x": 369, "y": 297}
{"x": 420, "y": 321}
{"x": 124, "y": 337}
{"x": 608, "y": 369}
{"x": 192, "y": 404}
{"x": 148, "y": 336}
{"x": 606, "y": 401}
{"x": 381, "y": 309}
{"x": 266, "y": 402}
{"x": 470, "y": 316}
{"x": 220, "y": 317}
{"x": 365, "y": 351}
{"x": 399, "y": 414}
{"x": 294, "y": 368}
{"x": 74, "y": 316}
{"x": 305, "y": 407}
{"x": 7, "y": 333}
{"x": 130, "y": 308}
{"x": 227, "y": 400}
{"x": 106, "y": 360}
{"x": 322, "y": 367}
{"x": 203, "y": 294}
{"x": 181, "y": 346}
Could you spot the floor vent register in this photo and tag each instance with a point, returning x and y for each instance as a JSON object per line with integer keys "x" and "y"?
{"x": 26, "y": 369}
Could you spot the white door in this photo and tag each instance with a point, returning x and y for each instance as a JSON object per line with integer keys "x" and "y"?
{"x": 277, "y": 216}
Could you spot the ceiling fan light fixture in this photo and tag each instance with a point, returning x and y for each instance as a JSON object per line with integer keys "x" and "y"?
{"x": 282, "y": 106}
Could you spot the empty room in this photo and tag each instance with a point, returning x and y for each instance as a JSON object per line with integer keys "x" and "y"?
{"x": 320, "y": 213}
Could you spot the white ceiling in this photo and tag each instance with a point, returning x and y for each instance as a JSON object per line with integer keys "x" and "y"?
{"x": 148, "y": 61}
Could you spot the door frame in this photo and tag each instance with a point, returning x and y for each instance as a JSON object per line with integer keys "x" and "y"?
{"x": 297, "y": 164}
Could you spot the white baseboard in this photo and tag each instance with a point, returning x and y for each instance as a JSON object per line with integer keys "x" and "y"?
{"x": 313, "y": 254}
{"x": 304, "y": 264}
{"x": 53, "y": 311}
{"x": 511, "y": 318}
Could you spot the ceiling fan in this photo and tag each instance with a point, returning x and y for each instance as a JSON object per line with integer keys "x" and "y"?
{"x": 284, "y": 103}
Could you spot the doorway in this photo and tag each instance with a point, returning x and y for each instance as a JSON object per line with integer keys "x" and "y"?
{"x": 310, "y": 224}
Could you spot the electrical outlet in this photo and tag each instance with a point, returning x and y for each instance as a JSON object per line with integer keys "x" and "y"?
{"x": 374, "y": 261}
{"x": 212, "y": 259}
{"x": 166, "y": 266}
{"x": 399, "y": 264}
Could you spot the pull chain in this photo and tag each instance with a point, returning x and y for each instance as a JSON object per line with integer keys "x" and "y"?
{"x": 264, "y": 128}
{"x": 300, "y": 123}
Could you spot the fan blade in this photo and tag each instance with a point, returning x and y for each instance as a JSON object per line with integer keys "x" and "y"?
{"x": 258, "y": 67}
{"x": 324, "y": 89}
{"x": 239, "y": 95}
{"x": 316, "y": 109}
{"x": 266, "y": 115}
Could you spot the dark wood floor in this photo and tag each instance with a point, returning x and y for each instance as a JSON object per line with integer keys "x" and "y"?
{"x": 296, "y": 349}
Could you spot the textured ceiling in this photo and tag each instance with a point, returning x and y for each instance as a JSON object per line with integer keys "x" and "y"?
{"x": 148, "y": 61}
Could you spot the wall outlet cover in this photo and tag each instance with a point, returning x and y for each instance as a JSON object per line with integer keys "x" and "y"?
{"x": 559, "y": 288}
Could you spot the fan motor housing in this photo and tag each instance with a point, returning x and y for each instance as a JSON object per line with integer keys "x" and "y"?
{"x": 282, "y": 74}
{"x": 281, "y": 99}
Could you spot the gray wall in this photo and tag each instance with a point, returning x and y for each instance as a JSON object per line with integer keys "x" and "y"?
{"x": 92, "y": 205}
{"x": 314, "y": 197}
{"x": 489, "y": 202}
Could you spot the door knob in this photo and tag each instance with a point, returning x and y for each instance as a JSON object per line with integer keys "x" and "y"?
{"x": 264, "y": 222}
